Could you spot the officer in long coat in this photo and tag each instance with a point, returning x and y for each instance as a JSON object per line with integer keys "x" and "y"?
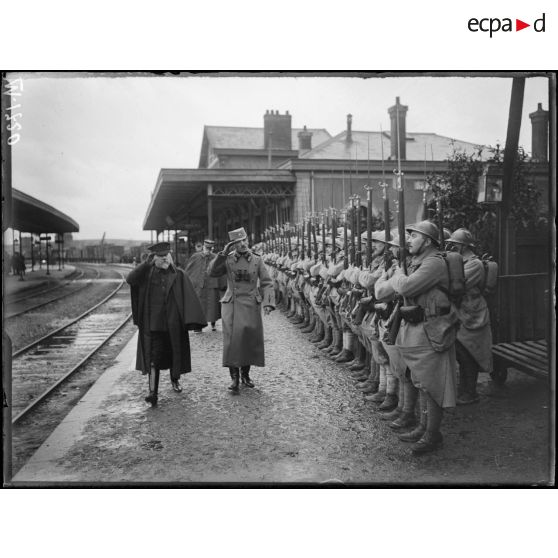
{"x": 474, "y": 338}
{"x": 164, "y": 307}
{"x": 207, "y": 288}
{"x": 249, "y": 287}
{"x": 426, "y": 338}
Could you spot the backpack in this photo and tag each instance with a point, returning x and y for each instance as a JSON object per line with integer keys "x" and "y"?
{"x": 456, "y": 273}
{"x": 490, "y": 282}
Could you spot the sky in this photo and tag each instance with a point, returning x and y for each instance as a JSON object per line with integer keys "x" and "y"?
{"x": 92, "y": 147}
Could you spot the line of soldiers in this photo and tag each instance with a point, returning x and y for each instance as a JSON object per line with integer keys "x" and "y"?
{"x": 402, "y": 328}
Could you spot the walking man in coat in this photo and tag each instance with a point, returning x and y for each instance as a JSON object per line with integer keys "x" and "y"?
{"x": 249, "y": 287}
{"x": 164, "y": 307}
{"x": 207, "y": 288}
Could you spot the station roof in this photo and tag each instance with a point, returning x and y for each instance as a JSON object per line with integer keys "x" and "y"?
{"x": 34, "y": 216}
{"x": 180, "y": 196}
{"x": 368, "y": 145}
{"x": 246, "y": 138}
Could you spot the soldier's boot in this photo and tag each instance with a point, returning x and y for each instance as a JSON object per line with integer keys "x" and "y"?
{"x": 310, "y": 323}
{"x": 235, "y": 376}
{"x": 364, "y": 374}
{"x": 380, "y": 395}
{"x": 319, "y": 332}
{"x": 416, "y": 434}
{"x": 245, "y": 377}
{"x": 367, "y": 379}
{"x": 432, "y": 438}
{"x": 291, "y": 309}
{"x": 467, "y": 392}
{"x": 396, "y": 413}
{"x": 407, "y": 419}
{"x": 175, "y": 383}
{"x": 360, "y": 358}
{"x": 346, "y": 354}
{"x": 307, "y": 315}
{"x": 337, "y": 343}
{"x": 328, "y": 338}
{"x": 390, "y": 402}
{"x": 153, "y": 387}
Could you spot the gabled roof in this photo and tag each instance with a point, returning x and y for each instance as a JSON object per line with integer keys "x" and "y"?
{"x": 238, "y": 137}
{"x": 368, "y": 145}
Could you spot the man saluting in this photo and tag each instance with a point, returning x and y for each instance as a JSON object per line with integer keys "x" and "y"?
{"x": 249, "y": 287}
{"x": 164, "y": 307}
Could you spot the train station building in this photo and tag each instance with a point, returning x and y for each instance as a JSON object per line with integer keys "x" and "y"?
{"x": 277, "y": 174}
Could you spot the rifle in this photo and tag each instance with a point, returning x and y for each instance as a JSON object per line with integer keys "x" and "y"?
{"x": 333, "y": 234}
{"x": 345, "y": 240}
{"x": 388, "y": 256}
{"x": 368, "y": 189}
{"x": 394, "y": 322}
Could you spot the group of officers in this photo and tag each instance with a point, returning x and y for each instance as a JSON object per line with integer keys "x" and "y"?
{"x": 412, "y": 347}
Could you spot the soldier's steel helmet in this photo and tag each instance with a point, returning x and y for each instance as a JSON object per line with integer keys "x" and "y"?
{"x": 427, "y": 229}
{"x": 462, "y": 236}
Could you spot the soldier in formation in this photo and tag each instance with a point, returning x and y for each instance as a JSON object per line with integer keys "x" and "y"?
{"x": 403, "y": 335}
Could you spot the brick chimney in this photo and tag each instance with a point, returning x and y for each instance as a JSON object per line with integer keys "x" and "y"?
{"x": 393, "y": 112}
{"x": 304, "y": 140}
{"x": 539, "y": 134}
{"x": 349, "y": 136}
{"x": 279, "y": 125}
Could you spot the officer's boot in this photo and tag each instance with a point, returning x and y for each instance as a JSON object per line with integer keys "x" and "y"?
{"x": 432, "y": 438}
{"x": 396, "y": 413}
{"x": 235, "y": 375}
{"x": 175, "y": 384}
{"x": 380, "y": 395}
{"x": 416, "y": 434}
{"x": 392, "y": 386}
{"x": 153, "y": 387}
{"x": 346, "y": 354}
{"x": 407, "y": 419}
{"x": 245, "y": 377}
{"x": 328, "y": 338}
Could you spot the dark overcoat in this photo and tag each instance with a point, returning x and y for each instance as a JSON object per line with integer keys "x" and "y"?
{"x": 184, "y": 312}
{"x": 207, "y": 288}
{"x": 249, "y": 286}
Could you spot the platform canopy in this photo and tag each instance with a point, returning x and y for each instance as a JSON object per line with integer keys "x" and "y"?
{"x": 180, "y": 199}
{"x": 34, "y": 216}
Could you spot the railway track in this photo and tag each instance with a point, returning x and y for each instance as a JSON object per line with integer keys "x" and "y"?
{"x": 22, "y": 308}
{"x": 41, "y": 367}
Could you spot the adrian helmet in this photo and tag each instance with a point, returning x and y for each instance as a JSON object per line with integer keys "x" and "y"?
{"x": 462, "y": 236}
{"x": 427, "y": 229}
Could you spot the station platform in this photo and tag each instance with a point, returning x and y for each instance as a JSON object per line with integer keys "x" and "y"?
{"x": 304, "y": 422}
{"x": 36, "y": 279}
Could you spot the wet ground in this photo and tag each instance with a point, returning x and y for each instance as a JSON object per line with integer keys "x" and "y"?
{"x": 304, "y": 422}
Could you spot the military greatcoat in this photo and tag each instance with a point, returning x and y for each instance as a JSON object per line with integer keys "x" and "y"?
{"x": 207, "y": 288}
{"x": 475, "y": 334}
{"x": 427, "y": 285}
{"x": 249, "y": 286}
{"x": 183, "y": 312}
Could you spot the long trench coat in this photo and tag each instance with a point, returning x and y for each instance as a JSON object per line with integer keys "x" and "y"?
{"x": 475, "y": 333}
{"x": 249, "y": 286}
{"x": 433, "y": 371}
{"x": 184, "y": 312}
{"x": 207, "y": 288}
